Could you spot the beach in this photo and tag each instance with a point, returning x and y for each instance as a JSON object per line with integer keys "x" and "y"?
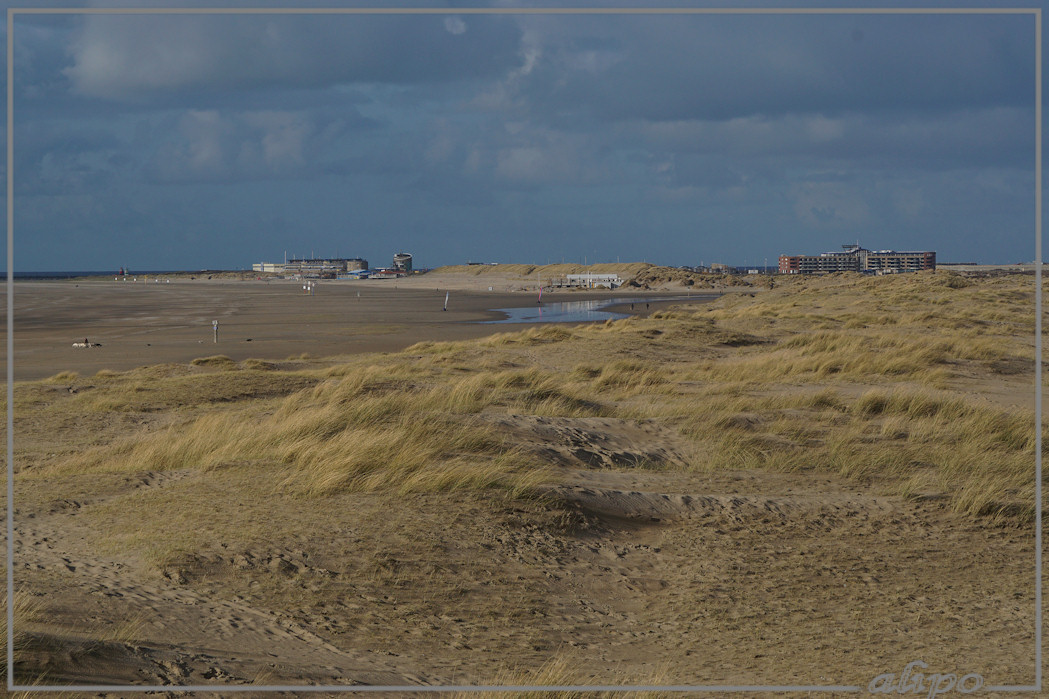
{"x": 151, "y": 322}
{"x": 812, "y": 485}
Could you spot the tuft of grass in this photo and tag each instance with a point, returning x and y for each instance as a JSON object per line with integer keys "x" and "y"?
{"x": 124, "y": 631}
{"x": 532, "y": 336}
{"x": 63, "y": 377}
{"x": 625, "y": 373}
{"x": 133, "y": 392}
{"x": 26, "y": 609}
{"x": 218, "y": 361}
{"x": 258, "y": 365}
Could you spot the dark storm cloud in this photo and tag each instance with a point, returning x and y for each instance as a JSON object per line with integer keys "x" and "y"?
{"x": 1000, "y": 135}
{"x": 554, "y": 134}
{"x": 726, "y": 67}
{"x": 40, "y": 55}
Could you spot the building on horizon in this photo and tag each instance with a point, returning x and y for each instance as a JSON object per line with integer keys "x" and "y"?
{"x": 854, "y": 258}
{"x": 403, "y": 262}
{"x": 387, "y": 273}
{"x": 593, "y": 281}
{"x": 324, "y": 268}
{"x": 271, "y": 267}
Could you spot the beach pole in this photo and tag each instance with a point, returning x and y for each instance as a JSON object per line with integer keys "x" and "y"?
{"x": 215, "y": 327}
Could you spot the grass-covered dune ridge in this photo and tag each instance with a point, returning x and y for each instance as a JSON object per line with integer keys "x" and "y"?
{"x": 643, "y": 274}
{"x": 548, "y": 271}
{"x": 873, "y": 378}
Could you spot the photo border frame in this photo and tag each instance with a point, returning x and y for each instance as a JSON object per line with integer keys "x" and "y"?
{"x": 13, "y": 12}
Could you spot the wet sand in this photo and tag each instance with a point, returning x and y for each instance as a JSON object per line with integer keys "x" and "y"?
{"x": 145, "y": 323}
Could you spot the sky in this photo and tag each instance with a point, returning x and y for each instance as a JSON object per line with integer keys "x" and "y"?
{"x": 167, "y": 142}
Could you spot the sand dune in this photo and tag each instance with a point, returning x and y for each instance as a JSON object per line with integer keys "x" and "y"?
{"x": 725, "y": 493}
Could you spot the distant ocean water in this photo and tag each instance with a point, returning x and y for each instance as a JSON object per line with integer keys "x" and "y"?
{"x": 104, "y": 273}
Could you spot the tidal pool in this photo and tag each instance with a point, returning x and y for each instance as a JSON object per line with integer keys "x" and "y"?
{"x": 577, "y": 311}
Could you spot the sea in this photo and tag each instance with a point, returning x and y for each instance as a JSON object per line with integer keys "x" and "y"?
{"x": 38, "y": 276}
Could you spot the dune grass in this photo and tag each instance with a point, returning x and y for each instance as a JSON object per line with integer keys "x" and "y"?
{"x": 625, "y": 270}
{"x": 151, "y": 390}
{"x": 26, "y": 609}
{"x": 62, "y": 377}
{"x": 366, "y": 431}
{"x": 215, "y": 360}
{"x": 910, "y": 442}
{"x": 869, "y": 378}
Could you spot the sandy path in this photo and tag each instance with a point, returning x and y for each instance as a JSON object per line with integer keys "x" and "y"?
{"x": 183, "y": 637}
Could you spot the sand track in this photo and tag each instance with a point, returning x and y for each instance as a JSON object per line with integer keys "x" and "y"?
{"x": 655, "y": 507}
{"x": 243, "y": 644}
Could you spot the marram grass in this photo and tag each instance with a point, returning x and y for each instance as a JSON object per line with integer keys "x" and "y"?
{"x": 364, "y": 432}
{"x": 868, "y": 378}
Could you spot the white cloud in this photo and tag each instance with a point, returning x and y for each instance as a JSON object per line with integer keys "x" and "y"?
{"x": 122, "y": 57}
{"x": 208, "y": 145}
{"x": 820, "y": 129}
{"x": 116, "y": 56}
{"x": 454, "y": 25}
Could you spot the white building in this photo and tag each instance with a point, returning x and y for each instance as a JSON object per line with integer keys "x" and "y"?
{"x": 268, "y": 267}
{"x": 594, "y": 281}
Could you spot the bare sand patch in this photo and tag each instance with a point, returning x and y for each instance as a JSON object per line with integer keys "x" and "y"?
{"x": 136, "y": 324}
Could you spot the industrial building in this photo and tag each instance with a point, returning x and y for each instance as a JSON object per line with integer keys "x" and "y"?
{"x": 853, "y": 258}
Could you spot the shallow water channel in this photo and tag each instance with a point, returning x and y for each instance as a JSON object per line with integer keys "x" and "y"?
{"x": 577, "y": 311}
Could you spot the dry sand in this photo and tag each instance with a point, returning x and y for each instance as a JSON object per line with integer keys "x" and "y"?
{"x": 146, "y": 323}
{"x": 656, "y": 577}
